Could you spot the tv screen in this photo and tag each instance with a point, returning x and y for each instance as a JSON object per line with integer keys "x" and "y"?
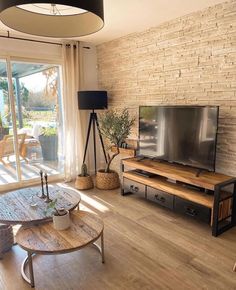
{"x": 181, "y": 134}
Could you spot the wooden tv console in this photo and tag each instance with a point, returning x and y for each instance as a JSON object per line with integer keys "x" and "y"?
{"x": 209, "y": 196}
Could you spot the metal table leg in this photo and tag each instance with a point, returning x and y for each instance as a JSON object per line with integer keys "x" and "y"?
{"x": 28, "y": 260}
{"x": 101, "y": 249}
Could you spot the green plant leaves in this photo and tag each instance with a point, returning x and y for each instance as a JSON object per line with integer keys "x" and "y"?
{"x": 49, "y": 131}
{"x": 116, "y": 126}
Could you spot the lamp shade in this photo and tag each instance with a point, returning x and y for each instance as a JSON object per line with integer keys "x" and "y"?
{"x": 61, "y": 19}
{"x": 92, "y": 100}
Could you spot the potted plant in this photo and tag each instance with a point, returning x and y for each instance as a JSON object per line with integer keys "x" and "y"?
{"x": 49, "y": 143}
{"x": 115, "y": 126}
{"x": 84, "y": 180}
{"x": 60, "y": 217}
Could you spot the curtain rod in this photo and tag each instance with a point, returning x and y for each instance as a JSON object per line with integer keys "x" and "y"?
{"x": 34, "y": 40}
{"x": 27, "y": 39}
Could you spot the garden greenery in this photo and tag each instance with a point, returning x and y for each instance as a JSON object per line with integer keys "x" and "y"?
{"x": 49, "y": 131}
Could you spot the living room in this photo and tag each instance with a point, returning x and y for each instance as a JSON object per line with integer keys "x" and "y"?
{"x": 167, "y": 75}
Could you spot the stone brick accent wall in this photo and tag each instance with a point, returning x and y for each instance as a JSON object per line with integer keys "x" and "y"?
{"x": 187, "y": 61}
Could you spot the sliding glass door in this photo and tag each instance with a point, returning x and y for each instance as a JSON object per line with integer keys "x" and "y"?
{"x": 8, "y": 174}
{"x": 32, "y": 114}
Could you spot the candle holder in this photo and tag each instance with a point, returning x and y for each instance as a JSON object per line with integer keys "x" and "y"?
{"x": 43, "y": 195}
{"x": 47, "y": 193}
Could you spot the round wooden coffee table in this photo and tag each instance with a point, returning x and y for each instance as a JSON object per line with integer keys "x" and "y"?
{"x": 43, "y": 239}
{"x": 24, "y": 206}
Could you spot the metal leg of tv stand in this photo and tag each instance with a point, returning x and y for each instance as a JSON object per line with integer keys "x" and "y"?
{"x": 217, "y": 199}
{"x": 122, "y": 168}
{"x": 216, "y": 211}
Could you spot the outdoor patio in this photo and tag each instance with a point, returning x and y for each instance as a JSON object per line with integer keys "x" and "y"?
{"x": 38, "y": 122}
{"x": 28, "y": 170}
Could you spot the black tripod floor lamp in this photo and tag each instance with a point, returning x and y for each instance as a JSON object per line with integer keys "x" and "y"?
{"x": 93, "y": 100}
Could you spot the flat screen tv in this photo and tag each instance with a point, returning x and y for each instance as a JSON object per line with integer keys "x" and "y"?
{"x": 180, "y": 134}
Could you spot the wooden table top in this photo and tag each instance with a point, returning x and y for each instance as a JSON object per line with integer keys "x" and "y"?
{"x": 18, "y": 207}
{"x": 44, "y": 239}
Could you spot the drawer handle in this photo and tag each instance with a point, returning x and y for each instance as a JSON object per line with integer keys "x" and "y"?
{"x": 161, "y": 199}
{"x": 190, "y": 211}
{"x": 134, "y": 189}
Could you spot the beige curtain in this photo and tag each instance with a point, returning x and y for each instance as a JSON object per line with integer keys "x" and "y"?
{"x": 73, "y": 118}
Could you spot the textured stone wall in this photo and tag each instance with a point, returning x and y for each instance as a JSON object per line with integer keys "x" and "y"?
{"x": 187, "y": 61}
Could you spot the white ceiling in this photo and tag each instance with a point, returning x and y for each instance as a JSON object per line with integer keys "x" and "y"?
{"x": 123, "y": 17}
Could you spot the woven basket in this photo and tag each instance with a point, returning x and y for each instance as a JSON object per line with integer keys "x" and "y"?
{"x": 6, "y": 238}
{"x": 84, "y": 182}
{"x": 108, "y": 180}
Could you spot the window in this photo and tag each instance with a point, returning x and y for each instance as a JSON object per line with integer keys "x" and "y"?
{"x": 31, "y": 126}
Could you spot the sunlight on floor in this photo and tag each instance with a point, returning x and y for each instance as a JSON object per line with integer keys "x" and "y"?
{"x": 109, "y": 204}
{"x": 92, "y": 202}
{"x": 29, "y": 170}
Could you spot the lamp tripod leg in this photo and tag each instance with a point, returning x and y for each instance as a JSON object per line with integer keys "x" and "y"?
{"x": 100, "y": 136}
{"x": 87, "y": 138}
{"x": 93, "y": 122}
{"x": 94, "y": 146}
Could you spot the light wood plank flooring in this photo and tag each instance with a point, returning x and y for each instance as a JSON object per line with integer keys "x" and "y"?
{"x": 146, "y": 247}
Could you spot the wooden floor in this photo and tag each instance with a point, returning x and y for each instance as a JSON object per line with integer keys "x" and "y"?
{"x": 146, "y": 247}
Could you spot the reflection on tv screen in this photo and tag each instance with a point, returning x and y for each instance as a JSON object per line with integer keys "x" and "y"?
{"x": 182, "y": 134}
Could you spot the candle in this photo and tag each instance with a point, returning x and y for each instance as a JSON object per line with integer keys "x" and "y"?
{"x": 46, "y": 181}
{"x": 41, "y": 175}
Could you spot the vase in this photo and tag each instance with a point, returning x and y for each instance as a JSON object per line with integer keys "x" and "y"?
{"x": 61, "y": 222}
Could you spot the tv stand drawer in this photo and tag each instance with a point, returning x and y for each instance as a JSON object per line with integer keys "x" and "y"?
{"x": 192, "y": 209}
{"x": 160, "y": 197}
{"x": 134, "y": 187}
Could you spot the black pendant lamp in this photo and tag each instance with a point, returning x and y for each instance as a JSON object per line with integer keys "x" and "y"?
{"x": 61, "y": 19}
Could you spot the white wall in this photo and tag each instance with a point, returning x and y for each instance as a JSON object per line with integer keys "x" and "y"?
{"x": 89, "y": 65}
